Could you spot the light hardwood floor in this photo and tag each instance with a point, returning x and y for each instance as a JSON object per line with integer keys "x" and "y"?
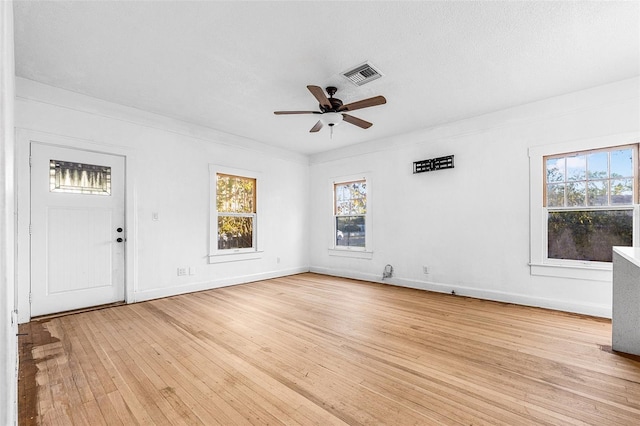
{"x": 312, "y": 349}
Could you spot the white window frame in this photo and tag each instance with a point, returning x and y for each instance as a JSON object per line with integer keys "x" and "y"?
{"x": 539, "y": 263}
{"x": 365, "y": 252}
{"x": 233, "y": 255}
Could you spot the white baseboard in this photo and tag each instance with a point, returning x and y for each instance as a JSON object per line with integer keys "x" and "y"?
{"x": 592, "y": 309}
{"x": 158, "y": 293}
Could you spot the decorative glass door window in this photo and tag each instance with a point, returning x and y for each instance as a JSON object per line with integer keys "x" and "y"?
{"x": 78, "y": 178}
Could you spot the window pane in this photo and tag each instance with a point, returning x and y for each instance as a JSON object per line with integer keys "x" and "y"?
{"x": 588, "y": 235}
{"x": 343, "y": 207}
{"x": 342, "y": 192}
{"x": 351, "y": 198}
{"x": 576, "y": 193}
{"x": 598, "y": 193}
{"x": 555, "y": 170}
{"x": 78, "y": 178}
{"x": 622, "y": 163}
{"x": 235, "y": 232}
{"x": 235, "y": 194}
{"x": 350, "y": 231}
{"x": 555, "y": 195}
{"x": 598, "y": 165}
{"x": 622, "y": 191}
{"x": 577, "y": 167}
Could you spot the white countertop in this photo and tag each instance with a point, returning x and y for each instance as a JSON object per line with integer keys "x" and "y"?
{"x": 632, "y": 254}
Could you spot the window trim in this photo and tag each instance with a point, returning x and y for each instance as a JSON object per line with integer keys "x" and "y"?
{"x": 539, "y": 264}
{"x": 365, "y": 252}
{"x": 233, "y": 255}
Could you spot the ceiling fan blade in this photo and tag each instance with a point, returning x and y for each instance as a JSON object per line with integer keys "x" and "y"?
{"x": 356, "y": 121}
{"x": 365, "y": 103}
{"x": 317, "y": 127}
{"x": 295, "y": 112}
{"x": 318, "y": 93}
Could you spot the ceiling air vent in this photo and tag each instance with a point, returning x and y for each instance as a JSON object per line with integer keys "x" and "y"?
{"x": 362, "y": 74}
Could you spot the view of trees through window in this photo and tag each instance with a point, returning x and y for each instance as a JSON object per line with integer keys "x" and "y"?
{"x": 588, "y": 235}
{"x": 236, "y": 206}
{"x": 589, "y": 199}
{"x": 350, "y": 210}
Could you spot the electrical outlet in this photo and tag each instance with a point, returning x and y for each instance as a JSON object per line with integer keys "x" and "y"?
{"x": 277, "y": 260}
{"x": 192, "y": 270}
{"x": 425, "y": 270}
{"x": 182, "y": 272}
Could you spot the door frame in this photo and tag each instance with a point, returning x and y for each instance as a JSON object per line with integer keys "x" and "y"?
{"x": 24, "y": 139}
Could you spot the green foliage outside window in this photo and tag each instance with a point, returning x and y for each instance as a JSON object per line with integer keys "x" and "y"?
{"x": 236, "y": 206}
{"x": 350, "y": 211}
{"x": 586, "y": 193}
{"x": 235, "y": 194}
{"x": 588, "y": 235}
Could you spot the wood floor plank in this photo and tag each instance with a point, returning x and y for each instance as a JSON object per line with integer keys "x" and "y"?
{"x": 194, "y": 377}
{"x": 314, "y": 349}
{"x": 249, "y": 391}
{"x": 327, "y": 358}
{"x": 133, "y": 411}
{"x": 123, "y": 409}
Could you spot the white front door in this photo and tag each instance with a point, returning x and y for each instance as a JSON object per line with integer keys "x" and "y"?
{"x": 77, "y": 229}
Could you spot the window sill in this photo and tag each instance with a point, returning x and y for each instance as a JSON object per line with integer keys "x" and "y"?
{"x": 589, "y": 271}
{"x": 358, "y": 254}
{"x": 234, "y": 257}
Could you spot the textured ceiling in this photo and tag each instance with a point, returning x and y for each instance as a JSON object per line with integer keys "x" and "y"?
{"x": 229, "y": 65}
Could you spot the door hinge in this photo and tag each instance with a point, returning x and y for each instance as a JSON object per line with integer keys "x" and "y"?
{"x": 30, "y": 298}
{"x": 30, "y": 229}
{"x": 30, "y": 163}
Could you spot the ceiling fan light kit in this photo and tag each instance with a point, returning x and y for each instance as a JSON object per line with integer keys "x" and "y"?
{"x": 333, "y": 111}
{"x": 331, "y": 118}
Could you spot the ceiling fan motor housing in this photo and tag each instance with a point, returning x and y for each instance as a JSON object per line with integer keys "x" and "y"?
{"x": 335, "y": 102}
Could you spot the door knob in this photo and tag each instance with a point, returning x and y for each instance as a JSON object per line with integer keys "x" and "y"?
{"x": 119, "y": 240}
{"x": 119, "y": 229}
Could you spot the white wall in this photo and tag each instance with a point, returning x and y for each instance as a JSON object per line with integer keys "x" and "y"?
{"x": 168, "y": 173}
{"x": 8, "y": 323}
{"x": 470, "y": 224}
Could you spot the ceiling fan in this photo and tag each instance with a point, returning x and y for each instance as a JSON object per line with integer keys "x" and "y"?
{"x": 333, "y": 111}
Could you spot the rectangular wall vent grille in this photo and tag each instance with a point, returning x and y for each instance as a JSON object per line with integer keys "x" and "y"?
{"x": 363, "y": 74}
{"x": 432, "y": 164}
